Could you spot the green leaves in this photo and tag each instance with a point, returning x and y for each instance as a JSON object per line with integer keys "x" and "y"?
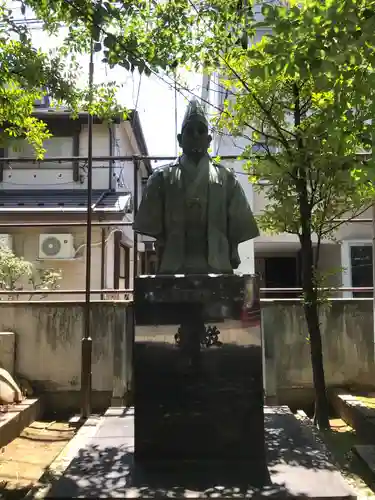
{"x": 16, "y": 273}
{"x": 150, "y": 36}
{"x": 27, "y": 74}
{"x": 302, "y": 97}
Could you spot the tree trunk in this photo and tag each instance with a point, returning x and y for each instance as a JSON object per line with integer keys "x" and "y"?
{"x": 321, "y": 416}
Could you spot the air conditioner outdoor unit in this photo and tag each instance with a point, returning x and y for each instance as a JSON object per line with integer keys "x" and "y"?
{"x": 56, "y": 246}
{"x": 6, "y": 241}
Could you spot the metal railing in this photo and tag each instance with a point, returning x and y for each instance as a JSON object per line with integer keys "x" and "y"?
{"x": 363, "y": 289}
{"x": 88, "y": 224}
{"x": 112, "y": 293}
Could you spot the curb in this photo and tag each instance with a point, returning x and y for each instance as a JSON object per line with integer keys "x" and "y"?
{"x": 17, "y": 418}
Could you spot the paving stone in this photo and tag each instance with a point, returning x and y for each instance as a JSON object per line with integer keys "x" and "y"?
{"x": 298, "y": 467}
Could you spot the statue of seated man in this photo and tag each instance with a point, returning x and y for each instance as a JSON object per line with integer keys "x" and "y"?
{"x": 195, "y": 208}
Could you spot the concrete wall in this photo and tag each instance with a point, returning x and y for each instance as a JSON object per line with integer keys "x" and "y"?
{"x": 48, "y": 347}
{"x": 348, "y": 346}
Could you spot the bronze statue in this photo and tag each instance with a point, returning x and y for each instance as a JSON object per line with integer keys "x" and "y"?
{"x": 195, "y": 209}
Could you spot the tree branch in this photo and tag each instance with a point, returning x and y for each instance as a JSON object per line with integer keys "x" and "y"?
{"x": 338, "y": 224}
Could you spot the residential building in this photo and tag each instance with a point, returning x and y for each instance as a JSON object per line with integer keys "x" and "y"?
{"x": 56, "y": 192}
{"x": 345, "y": 259}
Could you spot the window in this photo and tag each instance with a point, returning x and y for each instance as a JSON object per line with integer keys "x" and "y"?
{"x": 356, "y": 259}
{"x": 361, "y": 268}
{"x": 55, "y": 146}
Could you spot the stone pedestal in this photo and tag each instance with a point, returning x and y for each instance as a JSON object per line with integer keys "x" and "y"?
{"x": 198, "y": 371}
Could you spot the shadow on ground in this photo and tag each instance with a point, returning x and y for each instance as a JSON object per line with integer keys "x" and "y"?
{"x": 12, "y": 493}
{"x": 104, "y": 470}
{"x": 341, "y": 440}
{"x": 223, "y": 419}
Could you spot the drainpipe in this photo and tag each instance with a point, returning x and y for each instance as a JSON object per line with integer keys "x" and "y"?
{"x": 111, "y": 153}
{"x": 102, "y": 245}
{"x": 102, "y": 262}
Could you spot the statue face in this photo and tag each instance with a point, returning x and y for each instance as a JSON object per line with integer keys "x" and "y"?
{"x": 194, "y": 139}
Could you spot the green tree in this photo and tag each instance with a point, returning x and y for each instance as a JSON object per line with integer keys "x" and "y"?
{"x": 304, "y": 94}
{"x": 16, "y": 274}
{"x": 148, "y": 36}
{"x": 142, "y": 35}
{"x": 308, "y": 134}
{"x": 26, "y": 74}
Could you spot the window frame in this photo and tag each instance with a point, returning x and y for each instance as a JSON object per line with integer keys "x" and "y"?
{"x": 53, "y": 165}
{"x": 346, "y": 264}
{"x": 58, "y": 128}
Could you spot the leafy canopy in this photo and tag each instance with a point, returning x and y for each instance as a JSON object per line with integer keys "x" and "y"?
{"x": 306, "y": 121}
{"x": 148, "y": 35}
{"x": 26, "y": 74}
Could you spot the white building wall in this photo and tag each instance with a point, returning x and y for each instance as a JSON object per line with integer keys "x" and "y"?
{"x": 55, "y": 176}
{"x": 100, "y": 147}
{"x": 223, "y": 145}
{"x": 125, "y": 144}
{"x": 73, "y": 272}
{"x": 60, "y": 176}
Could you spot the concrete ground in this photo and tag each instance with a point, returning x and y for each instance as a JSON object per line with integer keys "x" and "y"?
{"x": 297, "y": 465}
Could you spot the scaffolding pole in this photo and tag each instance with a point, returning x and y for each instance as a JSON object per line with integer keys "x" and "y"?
{"x": 119, "y": 223}
{"x": 135, "y": 210}
{"x": 62, "y": 159}
{"x": 86, "y": 353}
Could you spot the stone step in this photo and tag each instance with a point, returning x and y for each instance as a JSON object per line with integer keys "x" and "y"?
{"x": 17, "y": 418}
{"x": 355, "y": 413}
{"x": 366, "y": 453}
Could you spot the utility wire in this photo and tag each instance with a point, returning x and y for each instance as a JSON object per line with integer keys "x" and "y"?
{"x": 153, "y": 72}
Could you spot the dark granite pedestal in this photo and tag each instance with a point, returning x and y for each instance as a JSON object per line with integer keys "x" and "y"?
{"x": 198, "y": 377}
{"x": 199, "y": 428}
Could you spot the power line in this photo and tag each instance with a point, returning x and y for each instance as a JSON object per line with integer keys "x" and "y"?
{"x": 170, "y": 85}
{"x": 175, "y": 85}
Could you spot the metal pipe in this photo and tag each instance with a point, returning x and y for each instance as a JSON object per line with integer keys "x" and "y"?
{"x": 64, "y": 292}
{"x": 86, "y": 352}
{"x": 30, "y": 159}
{"x": 131, "y": 290}
{"x": 135, "y": 210}
{"x": 348, "y": 221}
{"x": 60, "y": 159}
{"x": 102, "y": 261}
{"x": 64, "y": 224}
{"x": 111, "y": 148}
{"x": 96, "y": 223}
{"x": 327, "y": 289}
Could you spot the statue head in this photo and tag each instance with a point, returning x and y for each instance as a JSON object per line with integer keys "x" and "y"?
{"x": 194, "y": 139}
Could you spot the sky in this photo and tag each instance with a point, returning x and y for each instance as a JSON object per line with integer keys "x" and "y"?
{"x": 153, "y": 98}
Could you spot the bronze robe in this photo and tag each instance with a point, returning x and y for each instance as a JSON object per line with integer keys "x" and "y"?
{"x": 207, "y": 208}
